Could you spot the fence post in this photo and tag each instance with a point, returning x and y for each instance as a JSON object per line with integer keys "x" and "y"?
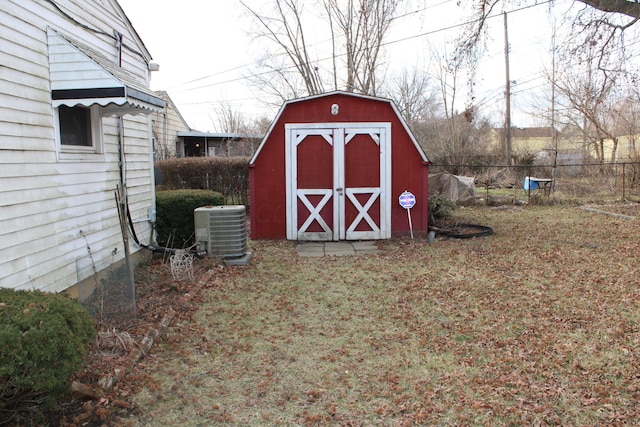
{"x": 623, "y": 180}
{"x": 529, "y": 186}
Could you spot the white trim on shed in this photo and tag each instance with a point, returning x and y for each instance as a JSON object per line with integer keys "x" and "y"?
{"x": 293, "y": 101}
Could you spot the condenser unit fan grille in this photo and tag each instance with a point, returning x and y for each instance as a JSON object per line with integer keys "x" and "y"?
{"x": 224, "y": 230}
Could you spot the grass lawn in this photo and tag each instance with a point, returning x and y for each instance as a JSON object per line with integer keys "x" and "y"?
{"x": 534, "y": 325}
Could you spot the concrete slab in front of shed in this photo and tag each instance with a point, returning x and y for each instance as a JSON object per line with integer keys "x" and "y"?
{"x": 310, "y": 249}
{"x": 339, "y": 248}
{"x": 363, "y": 248}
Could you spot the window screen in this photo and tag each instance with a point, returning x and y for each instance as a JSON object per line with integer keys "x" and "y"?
{"x": 75, "y": 126}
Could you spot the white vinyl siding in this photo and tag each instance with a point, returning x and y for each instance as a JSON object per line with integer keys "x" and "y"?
{"x": 166, "y": 127}
{"x": 46, "y": 202}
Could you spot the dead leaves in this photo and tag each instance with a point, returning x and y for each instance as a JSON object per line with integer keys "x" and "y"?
{"x": 535, "y": 325}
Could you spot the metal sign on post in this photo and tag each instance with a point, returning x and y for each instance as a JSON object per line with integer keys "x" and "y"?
{"x": 407, "y": 200}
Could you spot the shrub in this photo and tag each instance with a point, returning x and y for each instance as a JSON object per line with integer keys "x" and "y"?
{"x": 175, "y": 208}
{"x": 226, "y": 175}
{"x": 440, "y": 207}
{"x": 43, "y": 340}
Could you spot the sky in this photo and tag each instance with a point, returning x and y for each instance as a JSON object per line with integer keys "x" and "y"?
{"x": 205, "y": 54}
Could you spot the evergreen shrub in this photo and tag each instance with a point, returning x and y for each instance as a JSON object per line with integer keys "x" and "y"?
{"x": 44, "y": 338}
{"x": 174, "y": 214}
{"x": 440, "y": 207}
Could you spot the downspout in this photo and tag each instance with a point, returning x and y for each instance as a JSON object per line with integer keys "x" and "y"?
{"x": 165, "y": 149}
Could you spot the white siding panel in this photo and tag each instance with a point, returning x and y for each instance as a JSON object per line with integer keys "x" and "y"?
{"x": 23, "y": 162}
{"x": 61, "y": 195}
{"x": 32, "y": 65}
{"x": 44, "y": 203}
{"x": 23, "y": 58}
{"x": 70, "y": 69}
{"x": 19, "y": 30}
{"x": 78, "y": 262}
{"x": 84, "y": 209}
{"x": 44, "y": 164}
{"x": 67, "y": 230}
{"x": 19, "y": 136}
{"x": 65, "y": 184}
{"x": 31, "y": 100}
{"x": 27, "y": 117}
{"x": 13, "y": 76}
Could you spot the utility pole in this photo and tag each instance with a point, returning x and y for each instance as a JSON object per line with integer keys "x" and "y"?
{"x": 507, "y": 113}
{"x": 554, "y": 134}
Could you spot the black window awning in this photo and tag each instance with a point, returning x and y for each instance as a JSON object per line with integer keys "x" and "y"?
{"x": 83, "y": 76}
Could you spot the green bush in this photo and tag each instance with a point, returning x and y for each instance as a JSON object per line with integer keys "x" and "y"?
{"x": 43, "y": 340}
{"x": 440, "y": 207}
{"x": 227, "y": 175}
{"x": 175, "y": 208}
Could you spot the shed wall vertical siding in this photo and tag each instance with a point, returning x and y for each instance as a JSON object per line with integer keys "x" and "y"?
{"x": 409, "y": 172}
{"x": 46, "y": 203}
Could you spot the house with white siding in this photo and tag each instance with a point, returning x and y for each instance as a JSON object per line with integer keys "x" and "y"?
{"x": 167, "y": 125}
{"x": 75, "y": 128}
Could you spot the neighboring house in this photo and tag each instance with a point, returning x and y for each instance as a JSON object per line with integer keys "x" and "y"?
{"x": 74, "y": 127}
{"x": 572, "y": 146}
{"x": 172, "y": 137}
{"x": 166, "y": 127}
{"x": 628, "y": 149}
{"x": 193, "y": 143}
{"x": 625, "y": 151}
{"x": 526, "y": 140}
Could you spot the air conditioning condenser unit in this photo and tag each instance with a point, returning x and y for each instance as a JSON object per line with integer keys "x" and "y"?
{"x": 223, "y": 229}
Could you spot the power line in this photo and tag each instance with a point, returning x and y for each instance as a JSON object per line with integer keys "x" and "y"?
{"x": 328, "y": 58}
{"x": 484, "y": 103}
{"x": 324, "y": 41}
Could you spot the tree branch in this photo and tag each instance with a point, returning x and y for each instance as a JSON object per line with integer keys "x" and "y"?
{"x": 624, "y": 7}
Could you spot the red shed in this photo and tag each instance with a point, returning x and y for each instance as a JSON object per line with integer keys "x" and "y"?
{"x": 332, "y": 167}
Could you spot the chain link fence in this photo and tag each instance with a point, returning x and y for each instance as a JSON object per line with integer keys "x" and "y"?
{"x": 580, "y": 183}
{"x": 110, "y": 296}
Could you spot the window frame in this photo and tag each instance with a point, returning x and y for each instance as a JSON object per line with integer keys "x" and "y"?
{"x": 82, "y": 152}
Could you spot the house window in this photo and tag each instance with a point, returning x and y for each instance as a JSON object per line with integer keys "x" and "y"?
{"x": 79, "y": 130}
{"x": 75, "y": 126}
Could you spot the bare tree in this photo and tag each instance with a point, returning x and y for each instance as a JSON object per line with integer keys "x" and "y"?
{"x": 161, "y": 150}
{"x": 285, "y": 29}
{"x": 628, "y": 111}
{"x": 414, "y": 95}
{"x": 446, "y": 74}
{"x": 609, "y": 11}
{"x": 363, "y": 24}
{"x": 229, "y": 119}
{"x": 590, "y": 92}
{"x": 630, "y": 8}
{"x": 599, "y": 23}
{"x": 451, "y": 137}
{"x": 356, "y": 29}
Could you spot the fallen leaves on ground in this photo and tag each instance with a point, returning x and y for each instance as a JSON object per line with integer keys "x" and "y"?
{"x": 534, "y": 325}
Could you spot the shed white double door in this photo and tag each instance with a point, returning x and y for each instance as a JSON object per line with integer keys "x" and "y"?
{"x": 338, "y": 181}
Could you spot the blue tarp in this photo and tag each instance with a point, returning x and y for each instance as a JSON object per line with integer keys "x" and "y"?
{"x": 530, "y": 184}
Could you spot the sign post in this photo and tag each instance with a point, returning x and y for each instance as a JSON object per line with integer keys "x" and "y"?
{"x": 407, "y": 200}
